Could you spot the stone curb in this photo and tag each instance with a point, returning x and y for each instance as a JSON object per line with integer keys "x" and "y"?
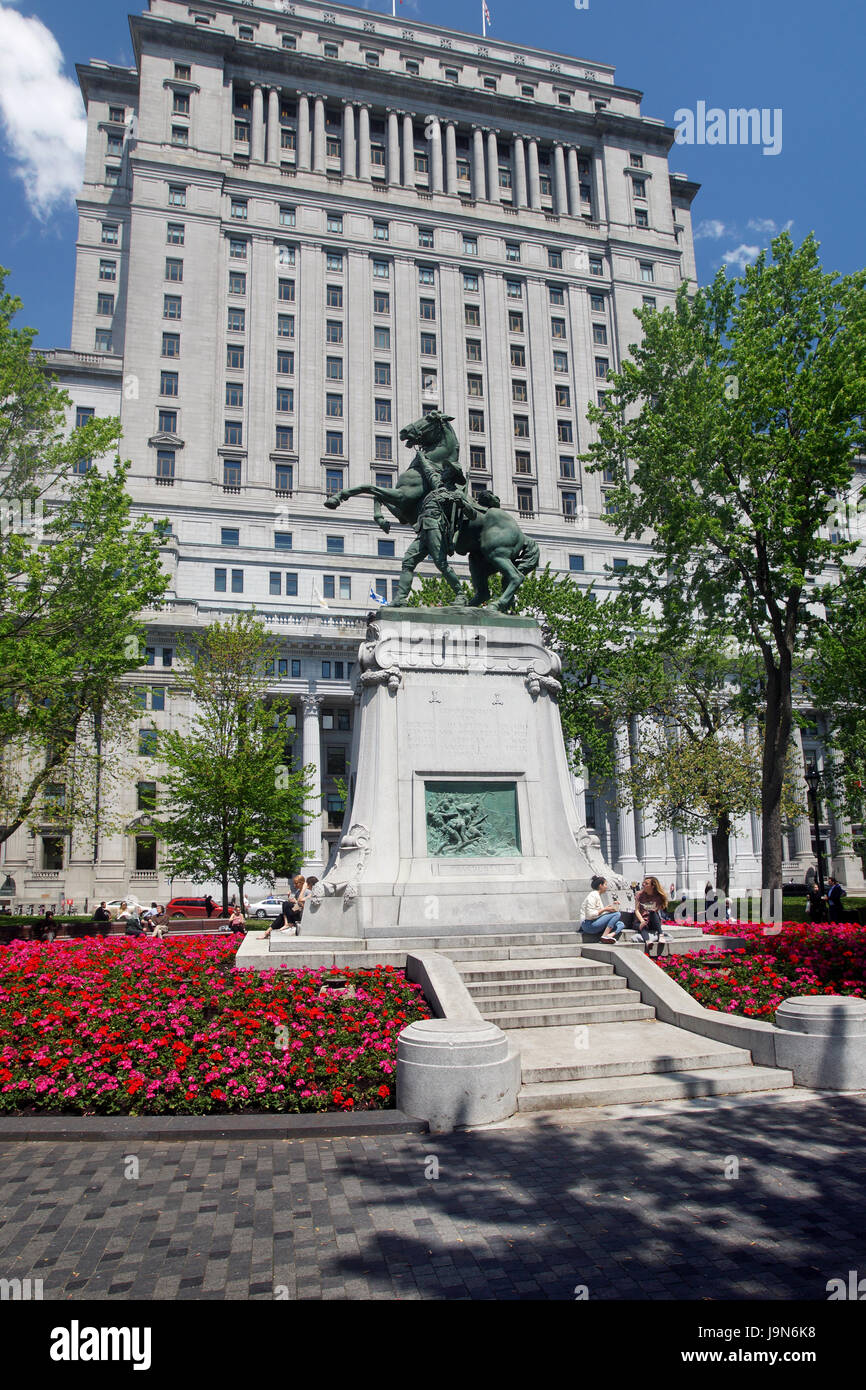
{"x": 158, "y": 1128}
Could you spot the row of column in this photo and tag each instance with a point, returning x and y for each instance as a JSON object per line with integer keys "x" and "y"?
{"x": 311, "y": 153}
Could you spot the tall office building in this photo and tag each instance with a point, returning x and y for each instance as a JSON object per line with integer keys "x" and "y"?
{"x": 300, "y": 229}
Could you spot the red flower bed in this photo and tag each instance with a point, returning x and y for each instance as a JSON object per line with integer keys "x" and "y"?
{"x": 153, "y": 1027}
{"x": 775, "y": 964}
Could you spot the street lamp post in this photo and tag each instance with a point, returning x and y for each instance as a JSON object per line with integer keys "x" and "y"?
{"x": 812, "y": 782}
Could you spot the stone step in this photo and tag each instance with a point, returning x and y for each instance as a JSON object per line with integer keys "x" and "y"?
{"x": 491, "y": 929}
{"x": 468, "y": 953}
{"x": 627, "y": 1008}
{"x": 637, "y": 1066}
{"x": 501, "y": 940}
{"x": 566, "y": 968}
{"x": 529, "y": 1001}
{"x": 485, "y": 990}
{"x": 621, "y": 1090}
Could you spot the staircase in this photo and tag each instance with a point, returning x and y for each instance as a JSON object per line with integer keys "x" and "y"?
{"x": 585, "y": 1037}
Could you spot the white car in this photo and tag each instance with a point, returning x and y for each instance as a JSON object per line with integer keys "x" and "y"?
{"x": 114, "y": 906}
{"x": 268, "y": 907}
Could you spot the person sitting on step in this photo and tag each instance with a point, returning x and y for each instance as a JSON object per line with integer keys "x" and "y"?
{"x": 596, "y": 918}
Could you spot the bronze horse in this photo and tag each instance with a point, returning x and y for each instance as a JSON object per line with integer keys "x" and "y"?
{"x": 491, "y": 538}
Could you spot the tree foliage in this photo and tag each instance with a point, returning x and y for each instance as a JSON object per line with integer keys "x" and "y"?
{"x": 230, "y": 806}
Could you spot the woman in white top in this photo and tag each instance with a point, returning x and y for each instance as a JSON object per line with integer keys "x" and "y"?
{"x": 597, "y": 919}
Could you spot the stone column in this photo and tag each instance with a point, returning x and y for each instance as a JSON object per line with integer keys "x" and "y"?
{"x": 348, "y": 140}
{"x": 519, "y": 162}
{"x": 450, "y": 158}
{"x": 257, "y": 146}
{"x": 408, "y": 151}
{"x": 364, "y": 143}
{"x": 303, "y": 137}
{"x": 393, "y": 147}
{"x": 846, "y": 864}
{"x": 803, "y": 852}
{"x": 573, "y": 182}
{"x": 319, "y": 136}
{"x": 493, "y": 192}
{"x": 312, "y": 758}
{"x": 273, "y": 126}
{"x": 534, "y": 176}
{"x": 478, "y": 163}
{"x": 560, "y": 190}
{"x": 629, "y": 865}
{"x": 437, "y": 184}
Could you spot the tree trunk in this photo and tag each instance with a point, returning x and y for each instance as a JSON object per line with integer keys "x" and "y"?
{"x": 777, "y": 736}
{"x": 721, "y": 838}
{"x": 225, "y": 882}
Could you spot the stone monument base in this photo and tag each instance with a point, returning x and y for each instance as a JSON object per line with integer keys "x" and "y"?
{"x": 461, "y": 812}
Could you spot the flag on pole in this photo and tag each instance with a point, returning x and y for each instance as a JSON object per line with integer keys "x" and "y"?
{"x": 485, "y": 17}
{"x": 376, "y": 598}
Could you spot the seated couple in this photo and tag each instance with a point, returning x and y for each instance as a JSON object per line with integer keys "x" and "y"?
{"x": 597, "y": 919}
{"x": 292, "y": 908}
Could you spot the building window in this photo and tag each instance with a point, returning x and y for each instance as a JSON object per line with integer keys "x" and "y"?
{"x": 636, "y": 161}
{"x": 165, "y": 459}
{"x": 473, "y": 349}
{"x": 380, "y": 231}
{"x": 596, "y": 266}
{"x": 639, "y": 187}
{"x": 282, "y": 540}
{"x": 286, "y": 292}
{"x": 168, "y": 421}
{"x": 515, "y": 321}
{"x": 566, "y": 466}
{"x": 382, "y": 339}
{"x": 171, "y": 345}
{"x": 381, "y": 270}
{"x": 334, "y": 368}
{"x": 575, "y": 564}
{"x": 108, "y": 270}
{"x": 427, "y": 308}
{"x": 522, "y": 462}
{"x": 557, "y": 294}
{"x": 519, "y": 391}
{"x": 112, "y": 176}
{"x": 179, "y": 135}
{"x": 333, "y": 147}
{"x": 334, "y": 331}
{"x": 333, "y": 293}
{"x": 472, "y": 315}
{"x": 171, "y": 306}
{"x": 105, "y": 304}
{"x": 287, "y": 216}
{"x": 286, "y": 327}
{"x": 168, "y": 383}
{"x": 428, "y": 344}
{"x": 283, "y": 478}
{"x": 235, "y": 394}
{"x": 641, "y": 217}
{"x": 176, "y": 195}
{"x": 557, "y": 328}
{"x": 518, "y": 355}
{"x": 524, "y": 501}
{"x": 619, "y": 563}
{"x": 569, "y": 504}
{"x": 285, "y": 254}
{"x": 470, "y": 246}
{"x": 649, "y": 301}
{"x": 235, "y": 356}
{"x": 563, "y": 397}
{"x": 383, "y": 411}
{"x": 285, "y": 363}
{"x": 647, "y": 272}
{"x": 476, "y": 422}
{"x": 521, "y": 426}
{"x": 147, "y": 743}
{"x": 333, "y": 442}
{"x": 275, "y": 582}
{"x": 474, "y": 385}
{"x": 237, "y": 249}
{"x": 470, "y": 283}
{"x": 335, "y": 224}
{"x": 110, "y": 234}
{"x": 233, "y": 433}
{"x": 174, "y": 233}
{"x": 333, "y": 480}
{"x": 514, "y": 289}
{"x": 231, "y": 473}
{"x": 602, "y": 366}
{"x": 564, "y": 432}
{"x": 285, "y": 437}
{"x": 173, "y": 269}
{"x": 237, "y": 282}
{"x": 564, "y": 98}
{"x": 596, "y": 303}
{"x": 237, "y": 581}
{"x": 382, "y": 373}
{"x": 334, "y": 406}
{"x": 381, "y": 302}
{"x": 242, "y": 132}
{"x": 560, "y": 361}
{"x": 599, "y": 333}
{"x": 285, "y": 399}
{"x": 478, "y": 457}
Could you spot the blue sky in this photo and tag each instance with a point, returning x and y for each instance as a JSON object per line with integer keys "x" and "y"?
{"x": 801, "y": 57}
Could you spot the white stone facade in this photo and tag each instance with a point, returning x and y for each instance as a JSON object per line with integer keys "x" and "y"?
{"x": 299, "y": 228}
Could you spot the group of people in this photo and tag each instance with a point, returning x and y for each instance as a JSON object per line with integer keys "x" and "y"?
{"x": 292, "y": 907}
{"x": 826, "y": 906}
{"x": 607, "y": 923}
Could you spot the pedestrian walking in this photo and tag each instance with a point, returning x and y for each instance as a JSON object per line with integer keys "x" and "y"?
{"x": 209, "y": 905}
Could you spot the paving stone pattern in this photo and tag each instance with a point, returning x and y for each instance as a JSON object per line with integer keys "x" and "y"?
{"x": 634, "y": 1206}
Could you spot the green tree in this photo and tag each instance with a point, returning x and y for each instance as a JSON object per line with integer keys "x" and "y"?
{"x": 75, "y": 573}
{"x": 836, "y": 679}
{"x": 230, "y": 806}
{"x": 731, "y": 434}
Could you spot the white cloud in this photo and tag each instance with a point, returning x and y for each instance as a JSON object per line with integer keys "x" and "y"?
{"x": 42, "y": 113}
{"x": 742, "y": 256}
{"x": 768, "y": 226}
{"x": 711, "y": 228}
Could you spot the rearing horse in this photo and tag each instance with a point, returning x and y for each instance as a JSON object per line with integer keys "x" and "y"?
{"x": 491, "y": 538}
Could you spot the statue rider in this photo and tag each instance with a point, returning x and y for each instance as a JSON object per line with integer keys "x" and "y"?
{"x": 438, "y": 519}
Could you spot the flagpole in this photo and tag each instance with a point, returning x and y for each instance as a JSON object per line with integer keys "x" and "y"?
{"x": 483, "y": 20}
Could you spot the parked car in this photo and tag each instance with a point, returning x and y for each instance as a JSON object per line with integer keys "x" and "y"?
{"x": 190, "y": 907}
{"x": 268, "y": 907}
{"x": 116, "y": 903}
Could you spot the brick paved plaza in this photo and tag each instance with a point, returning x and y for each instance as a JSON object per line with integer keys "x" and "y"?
{"x": 633, "y": 1204}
